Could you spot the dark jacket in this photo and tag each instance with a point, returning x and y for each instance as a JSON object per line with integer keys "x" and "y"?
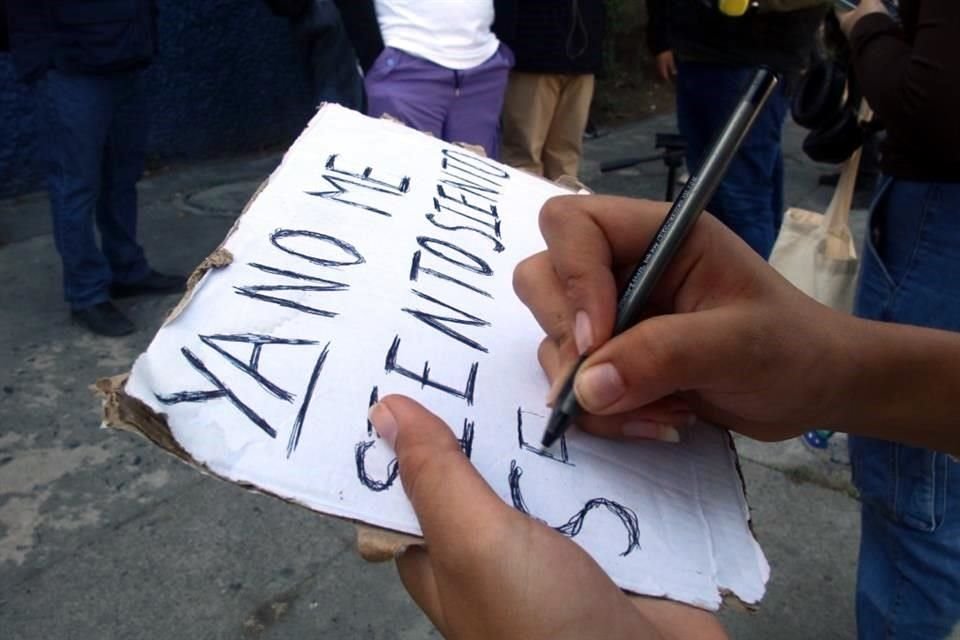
{"x": 909, "y": 74}
{"x": 360, "y": 20}
{"x": 81, "y": 36}
{"x": 288, "y": 8}
{"x": 559, "y": 36}
{"x": 695, "y": 32}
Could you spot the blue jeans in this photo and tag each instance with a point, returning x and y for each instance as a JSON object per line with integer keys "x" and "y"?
{"x": 95, "y": 140}
{"x": 749, "y": 200}
{"x": 908, "y": 581}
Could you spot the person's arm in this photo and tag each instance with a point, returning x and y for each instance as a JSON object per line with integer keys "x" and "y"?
{"x": 360, "y": 21}
{"x": 900, "y": 383}
{"x": 914, "y": 87}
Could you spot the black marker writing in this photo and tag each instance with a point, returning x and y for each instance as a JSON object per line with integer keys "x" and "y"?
{"x": 564, "y": 457}
{"x": 423, "y": 378}
{"x": 252, "y": 366}
{"x": 345, "y": 248}
{"x": 473, "y": 263}
{"x": 374, "y": 399}
{"x": 479, "y": 165}
{"x": 497, "y": 245}
{"x": 295, "y": 275}
{"x": 338, "y": 178}
{"x": 473, "y": 188}
{"x": 487, "y": 210}
{"x": 493, "y": 224}
{"x": 416, "y": 268}
{"x": 294, "y": 439}
{"x": 221, "y": 392}
{"x": 360, "y": 455}
{"x": 367, "y": 179}
{"x": 440, "y": 322}
{"x": 259, "y": 292}
{"x": 572, "y": 527}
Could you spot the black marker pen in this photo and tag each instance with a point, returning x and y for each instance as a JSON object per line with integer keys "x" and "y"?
{"x": 680, "y": 219}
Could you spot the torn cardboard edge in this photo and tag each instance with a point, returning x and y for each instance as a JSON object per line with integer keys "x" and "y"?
{"x": 374, "y": 544}
{"x": 124, "y": 412}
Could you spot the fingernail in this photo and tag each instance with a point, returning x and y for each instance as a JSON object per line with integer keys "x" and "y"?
{"x": 651, "y": 431}
{"x": 599, "y": 386}
{"x": 383, "y": 421}
{"x": 583, "y": 332}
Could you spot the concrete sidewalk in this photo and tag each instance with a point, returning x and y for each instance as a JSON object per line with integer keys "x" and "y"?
{"x": 103, "y": 536}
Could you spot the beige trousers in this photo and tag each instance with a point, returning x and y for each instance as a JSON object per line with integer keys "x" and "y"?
{"x": 544, "y": 116}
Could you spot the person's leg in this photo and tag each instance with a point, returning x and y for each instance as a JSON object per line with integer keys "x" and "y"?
{"x": 78, "y": 111}
{"x": 415, "y": 91}
{"x": 908, "y": 583}
{"x": 122, "y": 167}
{"x": 528, "y": 109}
{"x": 908, "y": 578}
{"x": 749, "y": 199}
{"x": 474, "y": 114}
{"x": 564, "y": 146}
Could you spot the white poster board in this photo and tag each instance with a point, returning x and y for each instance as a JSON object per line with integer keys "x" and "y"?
{"x": 378, "y": 260}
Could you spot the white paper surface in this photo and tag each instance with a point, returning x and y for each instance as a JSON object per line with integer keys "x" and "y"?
{"x": 365, "y": 230}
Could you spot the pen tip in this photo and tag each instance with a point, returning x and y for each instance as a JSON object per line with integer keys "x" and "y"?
{"x": 556, "y": 425}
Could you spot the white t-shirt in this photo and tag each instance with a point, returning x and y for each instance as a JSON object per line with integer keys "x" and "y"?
{"x": 451, "y": 33}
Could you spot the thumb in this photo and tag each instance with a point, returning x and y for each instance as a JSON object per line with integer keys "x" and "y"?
{"x": 452, "y": 501}
{"x": 668, "y": 354}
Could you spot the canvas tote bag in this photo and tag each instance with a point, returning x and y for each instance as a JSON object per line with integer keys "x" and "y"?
{"x": 815, "y": 251}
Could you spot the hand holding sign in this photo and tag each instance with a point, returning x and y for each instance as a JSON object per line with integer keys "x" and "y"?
{"x": 490, "y": 572}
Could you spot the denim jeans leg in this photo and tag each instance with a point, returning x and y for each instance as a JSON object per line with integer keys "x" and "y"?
{"x": 908, "y": 583}
{"x": 78, "y": 111}
{"x": 122, "y": 167}
{"x": 749, "y": 199}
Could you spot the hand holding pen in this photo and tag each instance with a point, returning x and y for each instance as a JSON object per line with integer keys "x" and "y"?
{"x": 667, "y": 241}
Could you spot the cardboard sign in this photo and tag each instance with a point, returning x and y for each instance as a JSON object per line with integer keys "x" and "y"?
{"x": 378, "y": 260}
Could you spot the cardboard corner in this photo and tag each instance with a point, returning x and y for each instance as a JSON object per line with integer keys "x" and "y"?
{"x": 381, "y": 545}
{"x": 125, "y": 413}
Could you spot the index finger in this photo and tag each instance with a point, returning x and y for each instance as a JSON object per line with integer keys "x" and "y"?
{"x": 452, "y": 501}
{"x": 590, "y": 238}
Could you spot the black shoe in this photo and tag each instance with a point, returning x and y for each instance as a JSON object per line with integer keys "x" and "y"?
{"x": 154, "y": 284}
{"x": 104, "y": 319}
